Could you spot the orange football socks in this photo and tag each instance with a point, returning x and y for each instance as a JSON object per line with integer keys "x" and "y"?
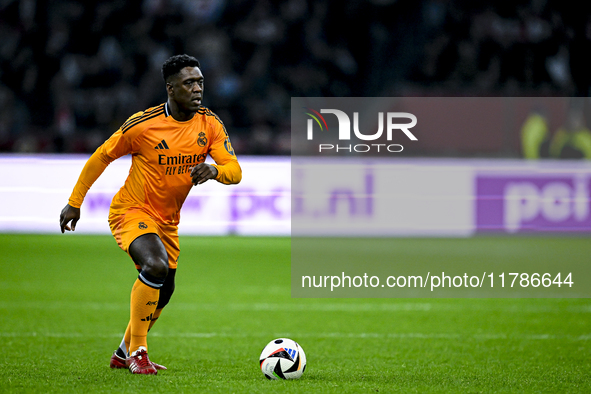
{"x": 144, "y": 300}
{"x": 157, "y": 313}
{"x": 127, "y": 336}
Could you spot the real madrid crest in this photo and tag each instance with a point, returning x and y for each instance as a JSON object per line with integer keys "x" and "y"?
{"x": 202, "y": 140}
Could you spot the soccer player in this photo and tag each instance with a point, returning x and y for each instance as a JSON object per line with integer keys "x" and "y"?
{"x": 168, "y": 144}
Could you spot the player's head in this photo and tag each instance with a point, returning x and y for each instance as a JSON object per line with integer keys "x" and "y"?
{"x": 176, "y": 63}
{"x": 184, "y": 82}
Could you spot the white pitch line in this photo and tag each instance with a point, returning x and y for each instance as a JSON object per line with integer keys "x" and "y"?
{"x": 338, "y": 335}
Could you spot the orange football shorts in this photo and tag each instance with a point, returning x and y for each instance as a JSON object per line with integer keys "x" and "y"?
{"x": 134, "y": 223}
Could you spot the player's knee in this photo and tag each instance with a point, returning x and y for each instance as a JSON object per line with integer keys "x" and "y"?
{"x": 156, "y": 267}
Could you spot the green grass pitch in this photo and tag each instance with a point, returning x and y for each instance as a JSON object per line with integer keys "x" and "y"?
{"x": 64, "y": 306}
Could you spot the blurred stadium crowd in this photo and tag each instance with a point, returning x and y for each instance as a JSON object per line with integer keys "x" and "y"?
{"x": 71, "y": 72}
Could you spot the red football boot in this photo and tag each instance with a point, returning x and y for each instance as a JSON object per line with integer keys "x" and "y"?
{"x": 139, "y": 363}
{"x": 119, "y": 362}
{"x": 158, "y": 366}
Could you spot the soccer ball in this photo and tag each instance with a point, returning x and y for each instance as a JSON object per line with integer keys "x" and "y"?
{"x": 283, "y": 358}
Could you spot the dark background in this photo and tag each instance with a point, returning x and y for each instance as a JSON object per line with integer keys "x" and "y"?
{"x": 72, "y": 72}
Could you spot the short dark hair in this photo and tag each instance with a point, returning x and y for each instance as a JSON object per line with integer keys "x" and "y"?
{"x": 176, "y": 63}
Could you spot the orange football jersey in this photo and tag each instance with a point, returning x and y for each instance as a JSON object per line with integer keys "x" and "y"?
{"x": 163, "y": 151}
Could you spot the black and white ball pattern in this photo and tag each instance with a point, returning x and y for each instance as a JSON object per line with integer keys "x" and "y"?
{"x": 283, "y": 358}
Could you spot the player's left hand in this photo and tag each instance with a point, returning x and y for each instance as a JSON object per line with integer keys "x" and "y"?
{"x": 203, "y": 172}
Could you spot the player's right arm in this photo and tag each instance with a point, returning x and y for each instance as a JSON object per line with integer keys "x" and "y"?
{"x": 119, "y": 144}
{"x": 93, "y": 168}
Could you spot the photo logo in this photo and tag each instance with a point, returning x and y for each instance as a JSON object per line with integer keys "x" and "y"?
{"x": 392, "y": 124}
{"x": 317, "y": 121}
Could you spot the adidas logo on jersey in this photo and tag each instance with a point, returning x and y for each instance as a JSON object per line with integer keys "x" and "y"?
{"x": 162, "y": 145}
